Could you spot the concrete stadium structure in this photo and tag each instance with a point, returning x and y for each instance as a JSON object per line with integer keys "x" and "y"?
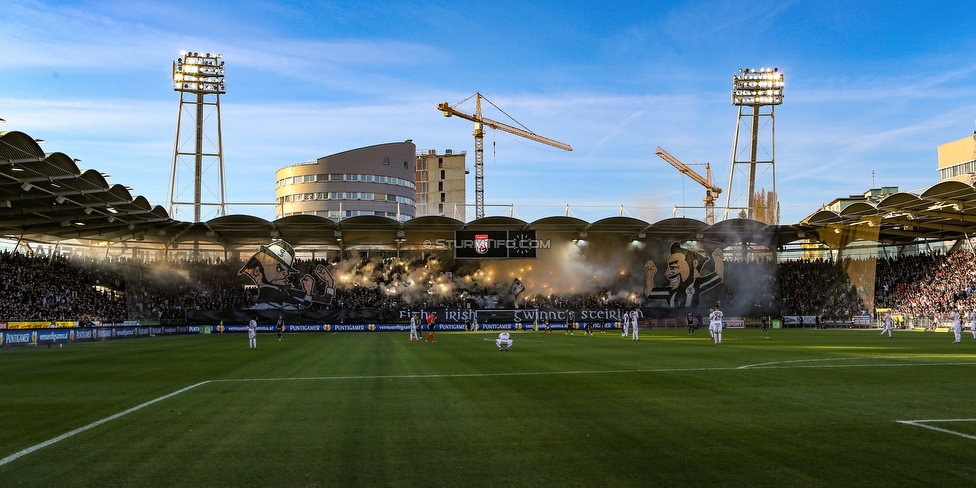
{"x": 374, "y": 180}
{"x": 45, "y": 199}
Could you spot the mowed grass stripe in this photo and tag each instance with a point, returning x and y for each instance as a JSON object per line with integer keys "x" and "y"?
{"x": 397, "y": 413}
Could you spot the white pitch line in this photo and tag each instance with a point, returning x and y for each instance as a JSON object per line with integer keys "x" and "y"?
{"x": 93, "y": 425}
{"x": 759, "y": 365}
{"x": 61, "y": 437}
{"x": 613, "y": 371}
{"x": 920, "y": 423}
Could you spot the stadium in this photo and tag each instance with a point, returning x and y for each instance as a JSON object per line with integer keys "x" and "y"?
{"x": 92, "y": 263}
{"x": 833, "y": 351}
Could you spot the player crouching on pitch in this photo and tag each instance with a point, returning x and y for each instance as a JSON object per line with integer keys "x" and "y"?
{"x": 504, "y": 341}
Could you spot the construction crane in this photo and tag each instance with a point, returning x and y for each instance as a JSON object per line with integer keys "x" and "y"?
{"x": 480, "y": 123}
{"x": 711, "y": 191}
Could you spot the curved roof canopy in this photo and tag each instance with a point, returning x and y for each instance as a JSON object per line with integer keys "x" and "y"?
{"x": 47, "y": 198}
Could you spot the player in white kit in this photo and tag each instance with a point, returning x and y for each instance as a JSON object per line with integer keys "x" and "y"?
{"x": 956, "y": 326}
{"x": 414, "y": 323}
{"x": 626, "y": 321}
{"x": 711, "y": 331}
{"x": 252, "y": 333}
{"x": 715, "y": 324}
{"x": 634, "y": 325}
{"x": 504, "y": 341}
{"x": 887, "y": 324}
{"x": 972, "y": 323}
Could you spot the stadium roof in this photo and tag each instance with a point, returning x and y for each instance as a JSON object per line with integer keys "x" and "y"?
{"x": 945, "y": 211}
{"x": 47, "y": 198}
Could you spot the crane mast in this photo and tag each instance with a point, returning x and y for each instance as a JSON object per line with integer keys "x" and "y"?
{"x": 711, "y": 191}
{"x": 480, "y": 122}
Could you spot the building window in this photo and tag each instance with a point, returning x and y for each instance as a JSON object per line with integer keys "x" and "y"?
{"x": 309, "y": 178}
{"x": 440, "y": 208}
{"x": 440, "y": 186}
{"x": 440, "y": 162}
{"x": 443, "y": 197}
{"x": 442, "y": 174}
{"x": 386, "y": 161}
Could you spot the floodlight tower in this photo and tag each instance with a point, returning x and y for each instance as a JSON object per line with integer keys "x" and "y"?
{"x": 761, "y": 91}
{"x": 199, "y": 78}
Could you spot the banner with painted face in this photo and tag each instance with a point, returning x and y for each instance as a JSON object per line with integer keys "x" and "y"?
{"x": 271, "y": 269}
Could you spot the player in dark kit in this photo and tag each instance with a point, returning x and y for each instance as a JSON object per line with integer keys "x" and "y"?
{"x": 690, "y": 319}
{"x": 280, "y": 326}
{"x": 547, "y": 327}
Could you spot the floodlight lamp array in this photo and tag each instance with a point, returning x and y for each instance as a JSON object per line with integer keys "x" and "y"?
{"x": 199, "y": 73}
{"x": 756, "y": 88}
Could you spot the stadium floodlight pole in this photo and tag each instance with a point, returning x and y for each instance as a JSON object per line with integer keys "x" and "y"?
{"x": 199, "y": 78}
{"x": 758, "y": 90}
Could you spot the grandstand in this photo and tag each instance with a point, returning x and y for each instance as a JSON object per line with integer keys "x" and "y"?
{"x": 141, "y": 265}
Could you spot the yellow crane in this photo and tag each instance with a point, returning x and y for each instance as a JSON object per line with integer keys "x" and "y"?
{"x": 480, "y": 122}
{"x": 711, "y": 191}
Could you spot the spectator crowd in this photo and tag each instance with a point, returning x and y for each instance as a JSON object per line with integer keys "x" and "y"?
{"x": 55, "y": 287}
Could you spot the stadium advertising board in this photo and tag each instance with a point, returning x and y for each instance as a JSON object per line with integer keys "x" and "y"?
{"x": 861, "y": 319}
{"x": 83, "y": 335}
{"x": 733, "y": 323}
{"x": 799, "y": 320}
{"x": 496, "y": 244}
{"x": 17, "y": 338}
{"x": 38, "y": 324}
{"x": 53, "y": 336}
{"x": 28, "y": 325}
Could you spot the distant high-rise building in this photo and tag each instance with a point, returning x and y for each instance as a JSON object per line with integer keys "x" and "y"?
{"x": 957, "y": 160}
{"x": 441, "y": 183}
{"x": 374, "y": 180}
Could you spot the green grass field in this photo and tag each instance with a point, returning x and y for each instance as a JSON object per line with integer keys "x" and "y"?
{"x": 784, "y": 408}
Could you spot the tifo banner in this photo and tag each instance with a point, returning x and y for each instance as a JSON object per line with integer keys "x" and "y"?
{"x": 441, "y": 315}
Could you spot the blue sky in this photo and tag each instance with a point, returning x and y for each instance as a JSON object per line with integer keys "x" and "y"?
{"x": 870, "y": 86}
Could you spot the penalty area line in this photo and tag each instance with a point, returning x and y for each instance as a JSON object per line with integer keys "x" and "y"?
{"x": 94, "y": 424}
{"x": 585, "y": 372}
{"x": 924, "y": 424}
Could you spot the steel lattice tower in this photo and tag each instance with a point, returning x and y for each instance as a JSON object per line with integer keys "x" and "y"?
{"x": 199, "y": 79}
{"x": 756, "y": 94}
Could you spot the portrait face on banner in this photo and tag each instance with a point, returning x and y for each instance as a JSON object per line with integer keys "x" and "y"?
{"x": 271, "y": 268}
{"x": 685, "y": 274}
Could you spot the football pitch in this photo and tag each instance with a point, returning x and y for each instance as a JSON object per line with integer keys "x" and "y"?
{"x": 783, "y": 408}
